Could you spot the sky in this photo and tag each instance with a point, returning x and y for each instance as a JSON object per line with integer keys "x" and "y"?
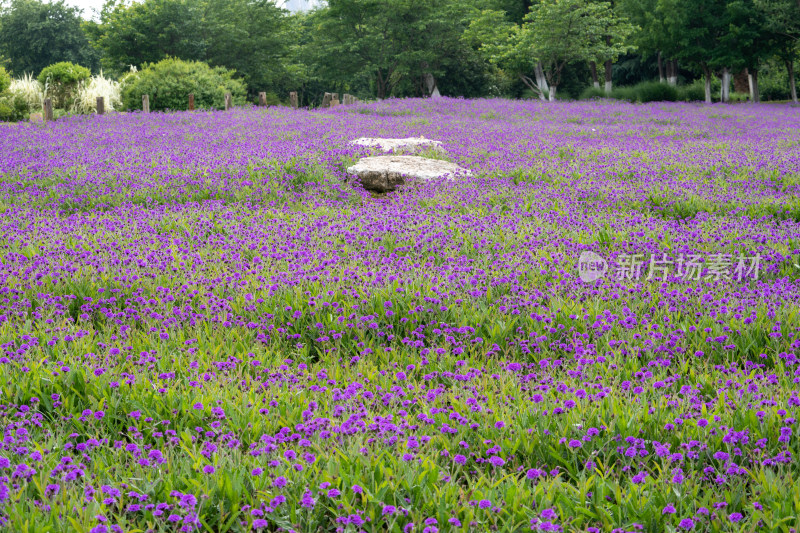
{"x": 89, "y": 5}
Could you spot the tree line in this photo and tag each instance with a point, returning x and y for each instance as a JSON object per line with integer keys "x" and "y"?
{"x": 394, "y": 48}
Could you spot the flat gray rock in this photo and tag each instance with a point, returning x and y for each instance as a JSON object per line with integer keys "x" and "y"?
{"x": 409, "y": 144}
{"x": 385, "y": 173}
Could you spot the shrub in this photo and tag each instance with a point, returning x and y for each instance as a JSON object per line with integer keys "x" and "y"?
{"x": 30, "y": 90}
{"x": 61, "y": 82}
{"x": 654, "y": 91}
{"x": 693, "y": 92}
{"x": 170, "y": 81}
{"x": 91, "y": 89}
{"x": 12, "y": 108}
{"x": 5, "y": 80}
{"x": 593, "y": 92}
{"x": 623, "y": 93}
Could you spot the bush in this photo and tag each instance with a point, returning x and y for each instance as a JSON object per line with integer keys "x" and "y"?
{"x": 61, "y": 82}
{"x": 30, "y": 90}
{"x": 696, "y": 92}
{"x": 693, "y": 92}
{"x": 90, "y": 90}
{"x": 12, "y": 108}
{"x": 593, "y": 92}
{"x": 623, "y": 93}
{"x": 773, "y": 82}
{"x": 5, "y": 80}
{"x": 170, "y": 81}
{"x": 653, "y": 91}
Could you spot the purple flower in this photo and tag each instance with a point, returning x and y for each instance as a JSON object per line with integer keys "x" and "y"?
{"x": 497, "y": 461}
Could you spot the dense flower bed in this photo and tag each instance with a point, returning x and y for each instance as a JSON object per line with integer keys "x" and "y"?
{"x": 205, "y": 328}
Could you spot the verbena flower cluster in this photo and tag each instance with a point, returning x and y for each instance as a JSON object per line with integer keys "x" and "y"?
{"x": 206, "y": 327}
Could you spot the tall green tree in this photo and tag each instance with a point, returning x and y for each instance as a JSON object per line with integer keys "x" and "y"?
{"x": 652, "y": 37}
{"x": 552, "y": 35}
{"x": 782, "y": 21}
{"x": 384, "y": 43}
{"x": 694, "y": 29}
{"x": 149, "y": 31}
{"x": 504, "y": 45}
{"x": 35, "y": 34}
{"x": 248, "y": 36}
{"x": 743, "y": 43}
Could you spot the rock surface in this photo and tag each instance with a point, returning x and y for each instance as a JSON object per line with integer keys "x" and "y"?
{"x": 385, "y": 173}
{"x": 409, "y": 144}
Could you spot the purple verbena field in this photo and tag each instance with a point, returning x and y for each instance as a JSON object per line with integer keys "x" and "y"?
{"x": 206, "y": 327}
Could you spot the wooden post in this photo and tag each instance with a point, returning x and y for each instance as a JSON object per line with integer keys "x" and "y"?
{"x": 293, "y": 99}
{"x": 262, "y": 99}
{"x": 326, "y": 100}
{"x": 334, "y": 102}
{"x": 145, "y": 103}
{"x": 48, "y": 109}
{"x": 228, "y": 101}
{"x": 191, "y": 102}
{"x": 101, "y": 105}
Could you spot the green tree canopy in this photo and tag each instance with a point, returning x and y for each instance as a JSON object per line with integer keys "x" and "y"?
{"x": 35, "y": 34}
{"x": 383, "y": 44}
{"x": 246, "y": 35}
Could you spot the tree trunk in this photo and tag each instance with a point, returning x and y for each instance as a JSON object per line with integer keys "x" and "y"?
{"x": 792, "y": 83}
{"x": 381, "y": 86}
{"x": 552, "y": 93}
{"x": 725, "y": 89}
{"x": 595, "y": 81}
{"x": 752, "y": 78}
{"x": 707, "y": 77}
{"x": 660, "y": 68}
{"x": 609, "y": 72}
{"x": 672, "y": 75}
{"x": 541, "y": 81}
{"x": 756, "y": 92}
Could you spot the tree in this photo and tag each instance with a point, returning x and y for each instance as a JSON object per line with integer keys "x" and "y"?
{"x": 559, "y": 32}
{"x": 503, "y": 45}
{"x": 694, "y": 28}
{"x": 148, "y": 31}
{"x": 384, "y": 43}
{"x": 782, "y": 21}
{"x": 652, "y": 37}
{"x": 618, "y": 27}
{"x": 249, "y": 36}
{"x": 35, "y": 34}
{"x": 246, "y": 35}
{"x": 743, "y": 43}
